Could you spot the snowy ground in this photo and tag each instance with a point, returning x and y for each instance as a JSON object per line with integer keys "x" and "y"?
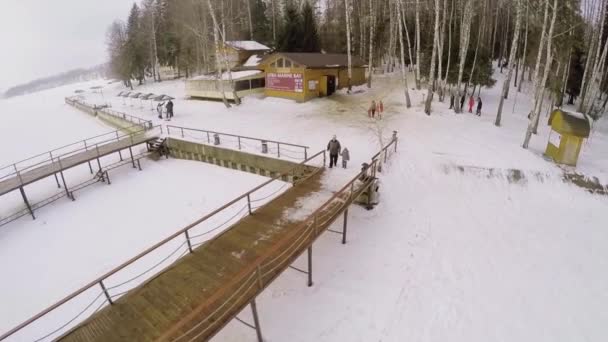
{"x": 446, "y": 255}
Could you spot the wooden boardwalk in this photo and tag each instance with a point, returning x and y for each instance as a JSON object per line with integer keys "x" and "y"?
{"x": 169, "y": 304}
{"x": 52, "y": 167}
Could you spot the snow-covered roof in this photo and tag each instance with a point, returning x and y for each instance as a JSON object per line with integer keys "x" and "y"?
{"x": 249, "y": 45}
{"x": 235, "y": 75}
{"x": 253, "y": 61}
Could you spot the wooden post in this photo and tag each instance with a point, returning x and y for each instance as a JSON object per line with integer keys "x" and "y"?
{"x": 344, "y": 226}
{"x": 256, "y": 320}
{"x": 249, "y": 203}
{"x": 310, "y": 266}
{"x": 105, "y": 291}
{"x": 188, "y": 241}
{"x": 27, "y": 204}
{"x": 132, "y": 159}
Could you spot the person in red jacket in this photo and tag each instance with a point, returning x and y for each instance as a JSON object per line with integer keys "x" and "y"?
{"x": 471, "y": 104}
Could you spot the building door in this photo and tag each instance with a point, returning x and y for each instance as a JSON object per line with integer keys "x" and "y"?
{"x": 331, "y": 85}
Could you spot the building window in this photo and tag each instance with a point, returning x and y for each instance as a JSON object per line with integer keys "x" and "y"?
{"x": 287, "y": 63}
{"x": 258, "y": 83}
{"x": 241, "y": 85}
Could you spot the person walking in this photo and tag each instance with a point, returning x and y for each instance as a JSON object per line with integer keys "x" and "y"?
{"x": 462, "y": 101}
{"x": 452, "y": 97}
{"x": 380, "y": 107}
{"x": 479, "y": 105}
{"x": 169, "y": 110}
{"x": 372, "y": 109}
{"x": 159, "y": 109}
{"x": 334, "y": 149}
{"x": 345, "y": 157}
{"x": 471, "y": 103}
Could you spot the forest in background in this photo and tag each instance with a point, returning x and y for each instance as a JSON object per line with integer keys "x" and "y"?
{"x": 559, "y": 46}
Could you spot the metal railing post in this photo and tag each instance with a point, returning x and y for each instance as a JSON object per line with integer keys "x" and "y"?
{"x": 344, "y": 226}
{"x": 239, "y": 140}
{"x": 54, "y": 174}
{"x": 249, "y": 203}
{"x": 208, "y": 138}
{"x": 182, "y": 132}
{"x": 278, "y": 150}
{"x": 305, "y": 153}
{"x": 310, "y": 265}
{"x": 105, "y": 291}
{"x": 256, "y": 320}
{"x": 188, "y": 241}
{"x": 97, "y": 150}
{"x": 168, "y": 131}
{"x": 117, "y": 136}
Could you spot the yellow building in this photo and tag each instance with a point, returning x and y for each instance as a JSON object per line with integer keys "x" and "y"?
{"x": 303, "y": 76}
{"x": 568, "y": 131}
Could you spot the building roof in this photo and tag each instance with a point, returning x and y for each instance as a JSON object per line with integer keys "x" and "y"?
{"x": 570, "y": 123}
{"x": 236, "y": 75}
{"x": 320, "y": 60}
{"x": 248, "y": 45}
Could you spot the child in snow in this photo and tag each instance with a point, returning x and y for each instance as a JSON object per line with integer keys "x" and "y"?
{"x": 372, "y": 109}
{"x": 380, "y": 109}
{"x": 471, "y": 104}
{"x": 345, "y": 157}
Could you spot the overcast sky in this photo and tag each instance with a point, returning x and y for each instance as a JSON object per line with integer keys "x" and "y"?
{"x": 43, "y": 37}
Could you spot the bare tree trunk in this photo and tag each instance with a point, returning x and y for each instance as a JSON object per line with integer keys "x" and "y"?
{"x": 372, "y": 23}
{"x": 216, "y": 39}
{"x": 512, "y": 57}
{"x": 447, "y": 67}
{"x": 465, "y": 33}
{"x": 525, "y": 52}
{"x": 536, "y": 115}
{"x": 350, "y": 70}
{"x": 481, "y": 27}
{"x": 408, "y": 103}
{"x": 274, "y": 21}
{"x": 440, "y": 51}
{"x": 431, "y": 82}
{"x": 494, "y": 33}
{"x": 585, "y": 83}
{"x": 417, "y": 43}
{"x": 407, "y": 33}
{"x": 248, "y": 2}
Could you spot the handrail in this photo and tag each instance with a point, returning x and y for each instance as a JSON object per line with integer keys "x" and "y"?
{"x": 149, "y": 250}
{"x": 147, "y": 124}
{"x": 266, "y": 258}
{"x": 239, "y": 137}
{"x": 49, "y": 157}
{"x": 260, "y": 261}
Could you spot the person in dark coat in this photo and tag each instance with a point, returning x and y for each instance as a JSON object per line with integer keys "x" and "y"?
{"x": 479, "y": 104}
{"x": 462, "y": 101}
{"x": 451, "y": 100}
{"x": 169, "y": 109}
{"x": 334, "y": 149}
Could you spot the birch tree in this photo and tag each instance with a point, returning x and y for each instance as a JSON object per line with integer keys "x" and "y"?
{"x": 597, "y": 44}
{"x": 512, "y": 56}
{"x": 408, "y": 103}
{"x": 348, "y": 48}
{"x": 431, "y": 83}
{"x": 372, "y": 23}
{"x": 218, "y": 63}
{"x": 465, "y": 33}
{"x": 525, "y": 52}
{"x": 540, "y": 88}
{"x": 417, "y": 43}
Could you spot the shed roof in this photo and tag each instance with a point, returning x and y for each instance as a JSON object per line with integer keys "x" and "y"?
{"x": 319, "y": 60}
{"x": 248, "y": 45}
{"x": 569, "y": 123}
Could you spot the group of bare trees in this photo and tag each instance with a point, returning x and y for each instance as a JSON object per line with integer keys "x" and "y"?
{"x": 450, "y": 47}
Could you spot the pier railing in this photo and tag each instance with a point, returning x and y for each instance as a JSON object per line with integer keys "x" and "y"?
{"x": 136, "y": 121}
{"x": 56, "y": 155}
{"x": 241, "y": 142}
{"x": 104, "y": 290}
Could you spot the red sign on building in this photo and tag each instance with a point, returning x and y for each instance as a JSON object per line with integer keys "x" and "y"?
{"x": 285, "y": 82}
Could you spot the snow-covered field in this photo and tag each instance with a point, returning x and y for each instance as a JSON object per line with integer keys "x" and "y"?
{"x": 447, "y": 255}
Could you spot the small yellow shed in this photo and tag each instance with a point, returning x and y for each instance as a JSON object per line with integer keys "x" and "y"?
{"x": 568, "y": 131}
